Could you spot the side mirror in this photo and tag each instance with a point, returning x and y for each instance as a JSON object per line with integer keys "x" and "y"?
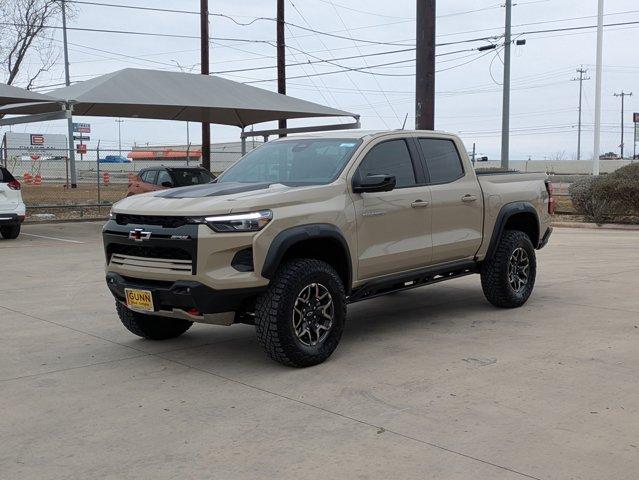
{"x": 167, "y": 184}
{"x": 374, "y": 184}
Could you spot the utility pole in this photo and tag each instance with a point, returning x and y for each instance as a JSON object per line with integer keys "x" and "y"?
{"x": 204, "y": 61}
{"x": 581, "y": 72}
{"x": 119, "y": 121}
{"x": 635, "y": 120}
{"x": 505, "y": 115}
{"x": 281, "y": 57}
{"x": 623, "y": 95}
{"x": 182, "y": 69}
{"x": 425, "y": 66}
{"x": 598, "y": 74}
{"x": 67, "y": 81}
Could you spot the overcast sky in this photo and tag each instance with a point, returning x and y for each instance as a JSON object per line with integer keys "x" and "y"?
{"x": 544, "y": 99}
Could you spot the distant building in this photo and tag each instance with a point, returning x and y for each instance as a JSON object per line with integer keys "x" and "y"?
{"x": 223, "y": 155}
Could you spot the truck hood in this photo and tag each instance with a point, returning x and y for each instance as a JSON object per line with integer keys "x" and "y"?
{"x": 221, "y": 198}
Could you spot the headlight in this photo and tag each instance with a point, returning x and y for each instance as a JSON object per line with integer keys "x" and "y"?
{"x": 240, "y": 222}
{"x": 111, "y": 215}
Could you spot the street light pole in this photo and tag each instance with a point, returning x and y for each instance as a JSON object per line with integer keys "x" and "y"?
{"x": 598, "y": 74}
{"x": 67, "y": 81}
{"x": 505, "y": 116}
{"x": 119, "y": 121}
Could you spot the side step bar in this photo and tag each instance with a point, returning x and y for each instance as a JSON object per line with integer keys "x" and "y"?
{"x": 412, "y": 279}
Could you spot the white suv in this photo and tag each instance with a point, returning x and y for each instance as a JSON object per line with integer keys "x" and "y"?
{"x": 12, "y": 209}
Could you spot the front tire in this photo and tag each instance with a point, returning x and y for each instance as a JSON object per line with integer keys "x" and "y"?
{"x": 508, "y": 278}
{"x": 10, "y": 232}
{"x": 150, "y": 326}
{"x": 300, "y": 319}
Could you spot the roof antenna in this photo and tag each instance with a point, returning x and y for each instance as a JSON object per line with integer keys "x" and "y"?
{"x": 404, "y": 124}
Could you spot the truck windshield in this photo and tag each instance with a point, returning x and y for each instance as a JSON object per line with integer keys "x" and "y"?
{"x": 293, "y": 162}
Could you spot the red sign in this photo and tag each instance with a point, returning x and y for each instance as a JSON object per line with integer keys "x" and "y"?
{"x": 37, "y": 139}
{"x": 81, "y": 148}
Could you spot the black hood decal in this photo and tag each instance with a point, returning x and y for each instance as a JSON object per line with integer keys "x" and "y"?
{"x": 211, "y": 190}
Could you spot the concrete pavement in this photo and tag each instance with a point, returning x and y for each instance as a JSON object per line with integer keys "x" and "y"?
{"x": 428, "y": 383}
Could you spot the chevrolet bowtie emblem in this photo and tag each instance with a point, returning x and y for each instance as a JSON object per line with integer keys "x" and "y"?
{"x": 139, "y": 235}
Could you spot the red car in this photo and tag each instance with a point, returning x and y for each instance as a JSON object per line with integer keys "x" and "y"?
{"x": 161, "y": 178}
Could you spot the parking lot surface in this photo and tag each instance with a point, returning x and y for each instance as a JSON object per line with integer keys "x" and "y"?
{"x": 428, "y": 383}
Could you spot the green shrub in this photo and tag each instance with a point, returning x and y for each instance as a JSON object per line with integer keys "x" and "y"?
{"x": 601, "y": 198}
{"x": 584, "y": 201}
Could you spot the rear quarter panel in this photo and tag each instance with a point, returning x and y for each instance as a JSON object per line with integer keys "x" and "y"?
{"x": 500, "y": 189}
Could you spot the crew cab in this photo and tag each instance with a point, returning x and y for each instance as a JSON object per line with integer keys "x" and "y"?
{"x": 302, "y": 226}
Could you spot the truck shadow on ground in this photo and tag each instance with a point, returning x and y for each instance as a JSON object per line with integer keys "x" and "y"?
{"x": 384, "y": 320}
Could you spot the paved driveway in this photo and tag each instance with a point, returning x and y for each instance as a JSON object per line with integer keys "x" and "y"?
{"x": 429, "y": 383}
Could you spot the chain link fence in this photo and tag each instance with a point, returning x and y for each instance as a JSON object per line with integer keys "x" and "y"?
{"x": 102, "y": 179}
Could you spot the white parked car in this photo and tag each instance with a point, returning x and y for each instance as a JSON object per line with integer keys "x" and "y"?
{"x": 12, "y": 209}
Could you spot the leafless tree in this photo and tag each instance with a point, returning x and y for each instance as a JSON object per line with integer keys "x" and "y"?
{"x": 559, "y": 155}
{"x": 26, "y": 43}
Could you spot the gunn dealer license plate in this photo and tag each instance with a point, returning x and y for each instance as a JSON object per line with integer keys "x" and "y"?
{"x": 140, "y": 299}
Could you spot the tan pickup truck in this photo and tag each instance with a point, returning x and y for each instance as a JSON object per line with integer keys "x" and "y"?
{"x": 304, "y": 225}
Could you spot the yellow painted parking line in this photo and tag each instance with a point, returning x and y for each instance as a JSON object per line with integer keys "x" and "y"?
{"x": 51, "y": 238}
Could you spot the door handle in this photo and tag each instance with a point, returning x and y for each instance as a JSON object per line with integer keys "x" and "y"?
{"x": 419, "y": 204}
{"x": 469, "y": 198}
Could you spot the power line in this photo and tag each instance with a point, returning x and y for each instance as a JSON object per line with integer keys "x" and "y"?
{"x": 364, "y": 59}
{"x": 244, "y": 24}
{"x": 355, "y": 85}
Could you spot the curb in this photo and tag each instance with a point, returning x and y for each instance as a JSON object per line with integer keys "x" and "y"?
{"x": 605, "y": 226}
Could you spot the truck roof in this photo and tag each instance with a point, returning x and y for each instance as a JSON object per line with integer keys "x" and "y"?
{"x": 359, "y": 134}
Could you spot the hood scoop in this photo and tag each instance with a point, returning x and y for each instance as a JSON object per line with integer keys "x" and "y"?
{"x": 212, "y": 190}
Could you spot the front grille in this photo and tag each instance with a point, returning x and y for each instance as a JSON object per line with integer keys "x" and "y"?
{"x": 159, "y": 265}
{"x": 150, "y": 252}
{"x": 163, "y": 221}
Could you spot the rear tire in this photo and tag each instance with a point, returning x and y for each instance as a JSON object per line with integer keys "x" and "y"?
{"x": 150, "y": 326}
{"x": 300, "y": 319}
{"x": 10, "y": 232}
{"x": 508, "y": 278}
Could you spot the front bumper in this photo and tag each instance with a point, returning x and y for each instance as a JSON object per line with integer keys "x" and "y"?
{"x": 11, "y": 219}
{"x": 187, "y": 299}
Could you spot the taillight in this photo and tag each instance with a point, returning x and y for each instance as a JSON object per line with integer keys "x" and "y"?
{"x": 551, "y": 200}
{"x": 14, "y": 185}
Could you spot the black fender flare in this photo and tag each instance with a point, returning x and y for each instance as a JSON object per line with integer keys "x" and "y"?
{"x": 284, "y": 240}
{"x": 504, "y": 214}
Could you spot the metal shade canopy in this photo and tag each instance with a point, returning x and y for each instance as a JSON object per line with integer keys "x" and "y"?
{"x": 11, "y": 95}
{"x": 141, "y": 93}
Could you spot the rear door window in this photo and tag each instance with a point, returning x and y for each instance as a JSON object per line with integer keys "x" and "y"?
{"x": 389, "y": 158}
{"x": 442, "y": 160}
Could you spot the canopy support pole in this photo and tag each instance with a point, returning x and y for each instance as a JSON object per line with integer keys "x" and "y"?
{"x": 243, "y": 138}
{"x": 72, "y": 169}
{"x": 314, "y": 128}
